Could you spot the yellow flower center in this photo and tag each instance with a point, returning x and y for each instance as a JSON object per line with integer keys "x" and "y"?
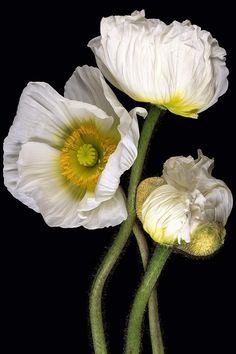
{"x": 84, "y": 155}
{"x": 87, "y": 155}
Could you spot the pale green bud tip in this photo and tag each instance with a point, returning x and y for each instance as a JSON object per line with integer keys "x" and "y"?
{"x": 204, "y": 240}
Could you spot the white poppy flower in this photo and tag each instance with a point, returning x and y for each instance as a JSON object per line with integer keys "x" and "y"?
{"x": 178, "y": 66}
{"x": 187, "y": 199}
{"x": 64, "y": 157}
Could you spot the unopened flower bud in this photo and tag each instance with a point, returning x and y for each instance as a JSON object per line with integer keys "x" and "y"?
{"x": 144, "y": 189}
{"x": 186, "y": 208}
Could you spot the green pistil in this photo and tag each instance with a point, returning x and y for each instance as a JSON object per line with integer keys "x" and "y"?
{"x": 87, "y": 155}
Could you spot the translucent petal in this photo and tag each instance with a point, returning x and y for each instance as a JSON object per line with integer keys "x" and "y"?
{"x": 177, "y": 66}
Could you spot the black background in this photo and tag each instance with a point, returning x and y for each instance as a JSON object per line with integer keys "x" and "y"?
{"x": 47, "y": 272}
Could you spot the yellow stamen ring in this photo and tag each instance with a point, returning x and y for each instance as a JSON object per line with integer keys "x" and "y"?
{"x": 85, "y": 154}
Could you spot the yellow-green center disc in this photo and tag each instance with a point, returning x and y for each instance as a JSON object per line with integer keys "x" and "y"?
{"x": 87, "y": 155}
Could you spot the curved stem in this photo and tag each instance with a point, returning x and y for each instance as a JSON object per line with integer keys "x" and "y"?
{"x": 154, "y": 322}
{"x": 153, "y": 271}
{"x": 95, "y": 305}
{"x": 142, "y": 244}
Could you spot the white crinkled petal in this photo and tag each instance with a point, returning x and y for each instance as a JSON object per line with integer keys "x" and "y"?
{"x": 119, "y": 162}
{"x": 178, "y": 172}
{"x": 203, "y": 166}
{"x": 92, "y": 82}
{"x": 45, "y": 119}
{"x": 186, "y": 173}
{"x": 219, "y": 201}
{"x": 165, "y": 210}
{"x": 178, "y": 66}
{"x": 39, "y": 179}
{"x": 88, "y": 85}
{"x": 190, "y": 198}
{"x": 109, "y": 213}
{"x": 44, "y": 116}
{"x": 11, "y": 173}
{"x": 122, "y": 42}
{"x": 194, "y": 176}
{"x": 220, "y": 73}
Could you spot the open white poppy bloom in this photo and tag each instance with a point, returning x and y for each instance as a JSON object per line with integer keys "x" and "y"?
{"x": 187, "y": 199}
{"x": 64, "y": 157}
{"x": 178, "y": 66}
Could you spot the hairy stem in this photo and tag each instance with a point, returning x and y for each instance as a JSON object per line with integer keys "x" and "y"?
{"x": 150, "y": 278}
{"x": 154, "y": 322}
{"x": 95, "y": 304}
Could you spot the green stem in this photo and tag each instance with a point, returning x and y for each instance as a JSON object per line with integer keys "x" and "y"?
{"x": 153, "y": 271}
{"x": 95, "y": 304}
{"x": 154, "y": 322}
{"x": 142, "y": 244}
